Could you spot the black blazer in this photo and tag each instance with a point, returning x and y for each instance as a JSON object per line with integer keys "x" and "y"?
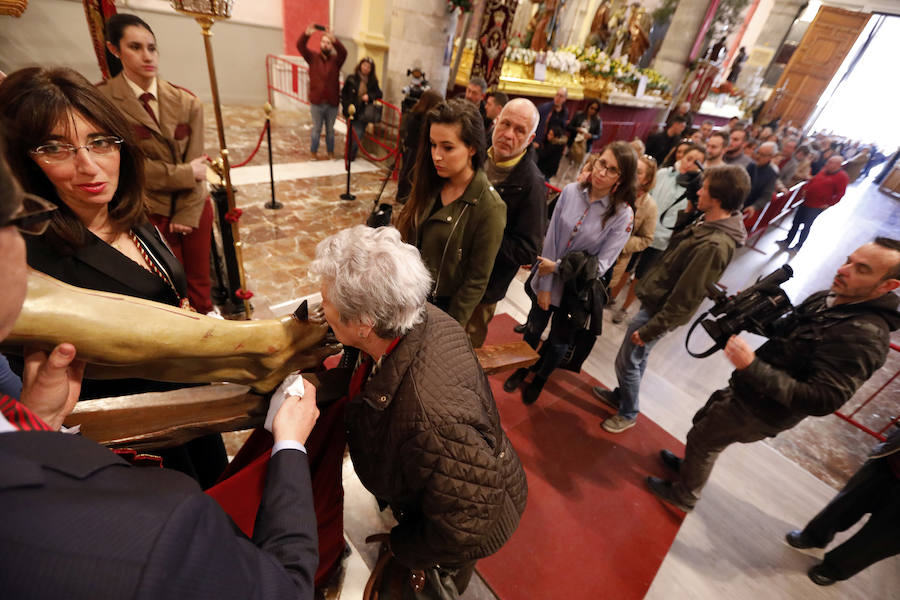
{"x": 79, "y": 522}
{"x": 98, "y": 266}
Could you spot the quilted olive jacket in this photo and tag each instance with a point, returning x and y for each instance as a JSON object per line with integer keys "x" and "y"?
{"x": 425, "y": 438}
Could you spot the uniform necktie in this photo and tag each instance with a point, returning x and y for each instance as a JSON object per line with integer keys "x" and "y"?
{"x": 145, "y": 99}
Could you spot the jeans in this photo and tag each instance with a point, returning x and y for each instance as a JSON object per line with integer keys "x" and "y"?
{"x": 804, "y": 216}
{"x": 322, "y": 114}
{"x": 359, "y": 128}
{"x": 630, "y": 364}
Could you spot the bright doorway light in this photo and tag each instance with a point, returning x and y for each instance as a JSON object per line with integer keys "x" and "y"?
{"x": 864, "y": 106}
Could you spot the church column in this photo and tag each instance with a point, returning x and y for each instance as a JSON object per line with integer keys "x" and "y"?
{"x": 672, "y": 59}
{"x": 419, "y": 33}
{"x": 371, "y": 39}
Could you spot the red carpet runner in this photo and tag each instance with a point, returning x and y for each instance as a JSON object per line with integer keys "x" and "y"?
{"x": 591, "y": 529}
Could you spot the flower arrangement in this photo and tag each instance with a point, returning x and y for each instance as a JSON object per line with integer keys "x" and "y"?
{"x": 525, "y": 56}
{"x": 655, "y": 81}
{"x": 563, "y": 61}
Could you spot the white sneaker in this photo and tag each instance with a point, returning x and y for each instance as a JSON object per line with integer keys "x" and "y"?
{"x": 215, "y": 314}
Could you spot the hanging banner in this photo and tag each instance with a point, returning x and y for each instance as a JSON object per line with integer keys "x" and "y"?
{"x": 493, "y": 38}
{"x": 97, "y": 12}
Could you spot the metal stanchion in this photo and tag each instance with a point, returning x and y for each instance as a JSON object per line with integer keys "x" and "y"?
{"x": 351, "y": 110}
{"x": 273, "y": 203}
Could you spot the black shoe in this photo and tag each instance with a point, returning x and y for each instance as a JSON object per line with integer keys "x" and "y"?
{"x": 818, "y": 575}
{"x": 670, "y": 460}
{"x": 515, "y": 380}
{"x": 798, "y": 539}
{"x": 520, "y": 328}
{"x": 530, "y": 394}
{"x": 607, "y": 397}
{"x": 662, "y": 489}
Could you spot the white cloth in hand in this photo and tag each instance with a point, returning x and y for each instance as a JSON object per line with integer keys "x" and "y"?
{"x": 291, "y": 386}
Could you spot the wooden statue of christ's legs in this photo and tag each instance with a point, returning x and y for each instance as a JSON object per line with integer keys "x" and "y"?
{"x": 122, "y": 336}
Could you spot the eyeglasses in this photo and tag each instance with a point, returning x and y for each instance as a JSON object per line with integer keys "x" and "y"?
{"x": 55, "y": 153}
{"x": 610, "y": 170}
{"x": 33, "y": 216}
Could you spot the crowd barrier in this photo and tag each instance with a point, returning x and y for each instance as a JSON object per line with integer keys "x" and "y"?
{"x": 289, "y": 77}
{"x": 775, "y": 210}
{"x": 880, "y": 392}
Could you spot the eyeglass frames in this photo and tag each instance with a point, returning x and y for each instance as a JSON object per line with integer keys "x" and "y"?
{"x": 57, "y": 152}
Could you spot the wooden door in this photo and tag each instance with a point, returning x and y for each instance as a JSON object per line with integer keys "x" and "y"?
{"x": 818, "y": 57}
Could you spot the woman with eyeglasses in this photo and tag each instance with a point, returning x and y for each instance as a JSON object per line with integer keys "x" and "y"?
{"x": 361, "y": 92}
{"x": 69, "y": 144}
{"x": 167, "y": 122}
{"x": 592, "y": 220}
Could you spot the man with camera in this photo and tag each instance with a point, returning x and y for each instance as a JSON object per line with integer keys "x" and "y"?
{"x": 324, "y": 84}
{"x": 815, "y": 360}
{"x": 673, "y": 288}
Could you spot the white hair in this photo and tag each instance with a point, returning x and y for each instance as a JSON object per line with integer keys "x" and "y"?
{"x": 373, "y": 278}
{"x": 769, "y": 146}
{"x": 533, "y": 113}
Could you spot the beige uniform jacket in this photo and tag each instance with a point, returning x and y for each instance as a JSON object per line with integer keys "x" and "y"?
{"x": 170, "y": 189}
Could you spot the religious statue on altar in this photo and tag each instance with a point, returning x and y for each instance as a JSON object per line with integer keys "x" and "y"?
{"x": 601, "y": 32}
{"x": 540, "y": 27}
{"x": 638, "y": 33}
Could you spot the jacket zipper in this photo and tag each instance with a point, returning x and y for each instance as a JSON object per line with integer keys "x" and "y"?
{"x": 444, "y": 254}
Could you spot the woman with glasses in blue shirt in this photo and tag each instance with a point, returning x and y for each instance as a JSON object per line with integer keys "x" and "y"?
{"x": 595, "y": 217}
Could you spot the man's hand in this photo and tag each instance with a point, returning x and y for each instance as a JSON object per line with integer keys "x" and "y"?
{"x": 198, "y": 166}
{"x": 309, "y": 30}
{"x": 546, "y": 266}
{"x": 178, "y": 228}
{"x": 749, "y": 211}
{"x": 543, "y": 300}
{"x": 739, "y": 352}
{"x": 296, "y": 417}
{"x": 636, "y": 339}
{"x": 51, "y": 383}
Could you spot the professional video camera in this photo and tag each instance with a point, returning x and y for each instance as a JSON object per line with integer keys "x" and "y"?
{"x": 753, "y": 310}
{"x": 414, "y": 90}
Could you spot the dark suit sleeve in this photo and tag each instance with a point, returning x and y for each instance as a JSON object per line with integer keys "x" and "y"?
{"x": 286, "y": 521}
{"x": 198, "y": 554}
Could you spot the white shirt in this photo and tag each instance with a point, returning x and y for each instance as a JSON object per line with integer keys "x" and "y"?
{"x": 139, "y": 91}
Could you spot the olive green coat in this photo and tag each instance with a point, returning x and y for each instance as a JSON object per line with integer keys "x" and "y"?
{"x": 459, "y": 243}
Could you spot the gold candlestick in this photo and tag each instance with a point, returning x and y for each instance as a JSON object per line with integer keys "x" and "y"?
{"x": 206, "y": 13}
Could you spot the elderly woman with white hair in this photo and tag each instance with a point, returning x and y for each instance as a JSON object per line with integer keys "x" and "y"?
{"x": 423, "y": 430}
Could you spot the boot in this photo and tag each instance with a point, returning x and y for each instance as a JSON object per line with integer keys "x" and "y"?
{"x": 530, "y": 394}
{"x": 515, "y": 380}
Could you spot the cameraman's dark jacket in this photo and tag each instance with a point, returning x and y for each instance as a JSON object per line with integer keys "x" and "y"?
{"x": 817, "y": 359}
{"x": 695, "y": 259}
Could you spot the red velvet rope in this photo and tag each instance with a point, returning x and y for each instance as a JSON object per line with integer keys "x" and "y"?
{"x": 233, "y": 216}
{"x": 363, "y": 150}
{"x": 255, "y": 150}
{"x": 243, "y": 294}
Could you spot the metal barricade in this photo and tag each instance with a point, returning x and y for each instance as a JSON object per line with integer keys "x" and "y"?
{"x": 883, "y": 390}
